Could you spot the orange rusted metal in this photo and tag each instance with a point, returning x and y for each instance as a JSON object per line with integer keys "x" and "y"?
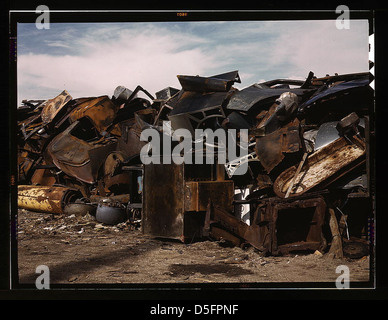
{"x": 77, "y": 157}
{"x": 101, "y": 111}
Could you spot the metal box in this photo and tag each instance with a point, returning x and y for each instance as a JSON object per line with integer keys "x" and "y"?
{"x": 174, "y": 205}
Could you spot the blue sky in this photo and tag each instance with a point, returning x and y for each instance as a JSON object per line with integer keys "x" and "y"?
{"x": 92, "y": 59}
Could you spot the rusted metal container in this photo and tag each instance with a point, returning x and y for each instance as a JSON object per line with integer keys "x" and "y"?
{"x": 46, "y": 198}
{"x": 278, "y": 225}
{"x": 174, "y": 205}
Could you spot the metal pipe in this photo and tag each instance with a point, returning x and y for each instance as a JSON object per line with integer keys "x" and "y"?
{"x": 46, "y": 198}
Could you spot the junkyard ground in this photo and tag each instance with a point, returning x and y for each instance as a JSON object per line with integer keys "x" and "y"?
{"x": 80, "y": 250}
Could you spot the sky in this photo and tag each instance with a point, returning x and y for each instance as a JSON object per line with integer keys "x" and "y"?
{"x": 92, "y": 59}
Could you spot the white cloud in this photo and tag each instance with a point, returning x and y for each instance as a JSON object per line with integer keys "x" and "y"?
{"x": 60, "y": 44}
{"x": 102, "y": 56}
{"x": 151, "y": 58}
{"x": 320, "y": 47}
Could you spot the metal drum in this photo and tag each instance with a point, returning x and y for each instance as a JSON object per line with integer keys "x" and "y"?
{"x": 110, "y": 212}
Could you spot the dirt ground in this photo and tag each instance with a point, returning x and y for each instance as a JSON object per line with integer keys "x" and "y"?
{"x": 80, "y": 250}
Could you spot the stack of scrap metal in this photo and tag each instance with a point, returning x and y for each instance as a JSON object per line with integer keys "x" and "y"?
{"x": 309, "y": 159}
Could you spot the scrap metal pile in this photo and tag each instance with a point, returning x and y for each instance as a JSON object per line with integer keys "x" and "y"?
{"x": 308, "y": 177}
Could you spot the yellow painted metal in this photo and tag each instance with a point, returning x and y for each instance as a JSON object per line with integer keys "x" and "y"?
{"x": 45, "y": 198}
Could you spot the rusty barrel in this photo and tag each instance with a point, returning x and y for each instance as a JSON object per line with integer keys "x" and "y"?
{"x": 45, "y": 198}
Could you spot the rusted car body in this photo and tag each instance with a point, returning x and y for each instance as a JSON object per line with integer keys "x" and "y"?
{"x": 77, "y": 157}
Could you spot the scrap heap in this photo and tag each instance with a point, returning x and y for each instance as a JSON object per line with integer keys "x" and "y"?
{"x": 309, "y": 176}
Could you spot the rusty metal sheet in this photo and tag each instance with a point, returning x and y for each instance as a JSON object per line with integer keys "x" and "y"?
{"x": 25, "y": 164}
{"x": 97, "y": 155}
{"x": 220, "y": 82}
{"x": 100, "y": 110}
{"x": 218, "y": 233}
{"x": 339, "y": 77}
{"x": 112, "y": 162}
{"x": 129, "y": 110}
{"x": 219, "y": 217}
{"x": 201, "y": 99}
{"x": 270, "y": 148}
{"x": 198, "y": 194}
{"x": 339, "y": 89}
{"x": 27, "y": 109}
{"x": 53, "y": 106}
{"x": 260, "y": 95}
{"x": 43, "y": 177}
{"x": 192, "y": 110}
{"x": 166, "y": 93}
{"x": 70, "y": 154}
{"x": 163, "y": 200}
{"x": 129, "y": 142}
{"x": 321, "y": 166}
{"x": 76, "y": 157}
{"x": 192, "y": 102}
{"x": 118, "y": 182}
{"x": 336, "y": 97}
